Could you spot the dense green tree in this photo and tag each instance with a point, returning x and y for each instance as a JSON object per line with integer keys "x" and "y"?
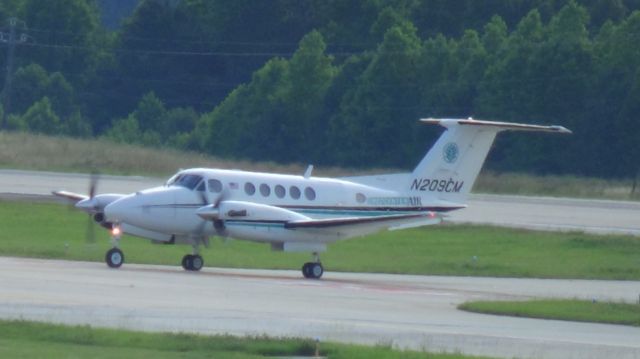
{"x": 63, "y": 34}
{"x": 29, "y": 85}
{"x": 125, "y": 130}
{"x": 150, "y": 113}
{"x": 41, "y": 118}
{"x": 255, "y": 80}
{"x": 494, "y": 37}
{"x": 378, "y": 116}
{"x": 32, "y": 83}
{"x": 112, "y": 13}
{"x": 278, "y": 110}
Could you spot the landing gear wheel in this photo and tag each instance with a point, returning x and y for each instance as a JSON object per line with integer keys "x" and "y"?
{"x": 196, "y": 262}
{"x": 312, "y": 270}
{"x": 114, "y": 258}
{"x": 187, "y": 262}
{"x": 306, "y": 272}
{"x": 316, "y": 270}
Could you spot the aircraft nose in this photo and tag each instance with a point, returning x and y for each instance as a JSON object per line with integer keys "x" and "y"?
{"x": 118, "y": 211}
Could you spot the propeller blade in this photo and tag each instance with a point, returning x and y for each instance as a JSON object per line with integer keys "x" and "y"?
{"x": 93, "y": 183}
{"x": 90, "y": 234}
{"x": 221, "y": 197}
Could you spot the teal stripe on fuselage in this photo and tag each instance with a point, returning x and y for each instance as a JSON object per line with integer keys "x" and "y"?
{"x": 345, "y": 213}
{"x": 253, "y": 224}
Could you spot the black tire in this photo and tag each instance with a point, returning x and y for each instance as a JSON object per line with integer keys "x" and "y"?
{"x": 187, "y": 262}
{"x": 316, "y": 270}
{"x": 114, "y": 258}
{"x": 196, "y": 262}
{"x": 306, "y": 270}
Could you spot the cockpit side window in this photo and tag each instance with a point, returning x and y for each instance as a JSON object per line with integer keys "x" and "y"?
{"x": 200, "y": 187}
{"x": 188, "y": 181}
{"x": 215, "y": 186}
{"x": 173, "y": 179}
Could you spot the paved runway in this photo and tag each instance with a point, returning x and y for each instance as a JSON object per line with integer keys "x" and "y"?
{"x": 594, "y": 216}
{"x": 417, "y": 312}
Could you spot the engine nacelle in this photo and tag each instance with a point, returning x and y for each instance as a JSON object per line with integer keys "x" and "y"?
{"x": 239, "y": 210}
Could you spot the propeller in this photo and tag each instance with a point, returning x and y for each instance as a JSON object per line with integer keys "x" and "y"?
{"x": 218, "y": 224}
{"x": 90, "y": 234}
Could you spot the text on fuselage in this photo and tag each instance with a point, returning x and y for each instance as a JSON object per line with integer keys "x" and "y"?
{"x": 395, "y": 201}
{"x": 437, "y": 185}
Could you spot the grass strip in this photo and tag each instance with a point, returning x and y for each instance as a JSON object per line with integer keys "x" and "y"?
{"x": 47, "y": 230}
{"x": 561, "y": 309}
{"x": 25, "y": 339}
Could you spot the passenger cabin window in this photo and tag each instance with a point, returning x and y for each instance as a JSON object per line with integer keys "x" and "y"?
{"x": 187, "y": 181}
{"x": 249, "y": 188}
{"x": 265, "y": 190}
{"x": 294, "y": 192}
{"x": 360, "y": 198}
{"x": 280, "y": 191}
{"x": 310, "y": 193}
{"x": 215, "y": 186}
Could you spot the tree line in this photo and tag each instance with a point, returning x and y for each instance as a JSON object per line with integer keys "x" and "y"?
{"x": 334, "y": 82}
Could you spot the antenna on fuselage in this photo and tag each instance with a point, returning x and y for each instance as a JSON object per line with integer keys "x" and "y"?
{"x": 307, "y": 173}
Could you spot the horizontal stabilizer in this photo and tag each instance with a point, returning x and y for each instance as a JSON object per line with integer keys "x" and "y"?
{"x": 500, "y": 126}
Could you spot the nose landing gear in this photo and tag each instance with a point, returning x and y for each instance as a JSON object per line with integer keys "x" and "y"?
{"x": 114, "y": 256}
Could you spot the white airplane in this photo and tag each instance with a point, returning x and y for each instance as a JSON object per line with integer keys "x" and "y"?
{"x": 299, "y": 213}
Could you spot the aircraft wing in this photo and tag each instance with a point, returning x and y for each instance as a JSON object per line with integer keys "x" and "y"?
{"x": 89, "y": 204}
{"x": 390, "y": 221}
{"x": 70, "y": 195}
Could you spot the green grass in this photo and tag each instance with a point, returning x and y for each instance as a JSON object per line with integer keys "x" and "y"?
{"x": 47, "y": 230}
{"x": 562, "y": 309}
{"x": 22, "y": 339}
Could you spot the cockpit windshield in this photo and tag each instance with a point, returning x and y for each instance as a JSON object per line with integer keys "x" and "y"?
{"x": 189, "y": 181}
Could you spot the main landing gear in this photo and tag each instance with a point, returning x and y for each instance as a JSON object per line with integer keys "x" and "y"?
{"x": 192, "y": 262}
{"x": 313, "y": 270}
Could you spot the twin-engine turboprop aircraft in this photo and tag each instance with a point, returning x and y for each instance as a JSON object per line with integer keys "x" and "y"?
{"x": 299, "y": 213}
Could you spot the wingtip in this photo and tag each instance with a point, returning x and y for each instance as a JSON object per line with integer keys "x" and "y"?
{"x": 561, "y": 129}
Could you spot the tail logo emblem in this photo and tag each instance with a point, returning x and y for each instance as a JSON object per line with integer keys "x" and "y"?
{"x": 450, "y": 152}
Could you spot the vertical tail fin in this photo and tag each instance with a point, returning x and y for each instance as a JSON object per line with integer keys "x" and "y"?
{"x": 450, "y": 168}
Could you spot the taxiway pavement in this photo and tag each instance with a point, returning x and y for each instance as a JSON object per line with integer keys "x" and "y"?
{"x": 417, "y": 312}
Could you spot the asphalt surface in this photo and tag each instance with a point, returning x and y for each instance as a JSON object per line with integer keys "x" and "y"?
{"x": 417, "y": 312}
